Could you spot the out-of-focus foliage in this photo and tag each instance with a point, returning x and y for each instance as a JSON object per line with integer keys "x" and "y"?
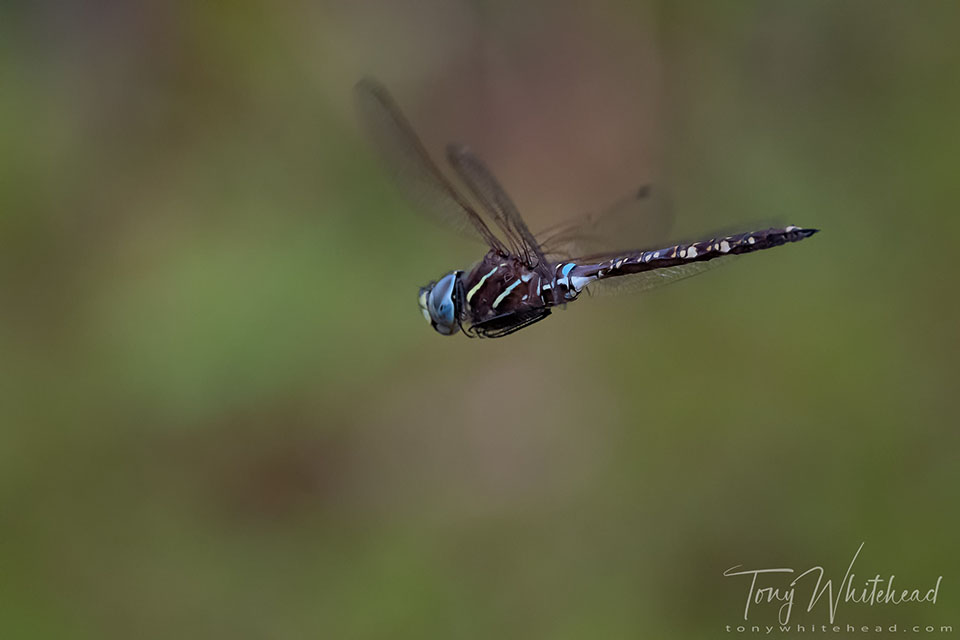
{"x": 223, "y": 416}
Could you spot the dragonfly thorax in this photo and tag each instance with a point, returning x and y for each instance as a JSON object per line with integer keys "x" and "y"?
{"x": 442, "y": 303}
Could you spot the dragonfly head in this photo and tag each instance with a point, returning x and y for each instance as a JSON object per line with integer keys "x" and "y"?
{"x": 441, "y": 303}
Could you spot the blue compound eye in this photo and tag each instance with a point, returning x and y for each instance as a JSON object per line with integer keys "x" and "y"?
{"x": 440, "y": 304}
{"x": 445, "y": 311}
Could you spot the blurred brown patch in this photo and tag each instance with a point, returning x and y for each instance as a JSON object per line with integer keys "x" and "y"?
{"x": 267, "y": 464}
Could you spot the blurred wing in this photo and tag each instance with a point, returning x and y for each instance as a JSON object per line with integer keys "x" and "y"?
{"x": 647, "y": 280}
{"x": 411, "y": 166}
{"x": 644, "y": 218}
{"x": 498, "y": 206}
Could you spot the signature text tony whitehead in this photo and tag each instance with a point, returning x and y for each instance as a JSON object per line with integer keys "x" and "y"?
{"x": 876, "y": 590}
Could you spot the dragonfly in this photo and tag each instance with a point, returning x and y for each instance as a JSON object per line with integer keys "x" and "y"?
{"x": 524, "y": 276}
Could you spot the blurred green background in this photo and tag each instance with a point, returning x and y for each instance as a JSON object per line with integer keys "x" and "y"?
{"x": 223, "y": 415}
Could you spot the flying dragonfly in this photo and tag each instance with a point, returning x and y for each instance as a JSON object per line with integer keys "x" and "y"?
{"x": 523, "y": 276}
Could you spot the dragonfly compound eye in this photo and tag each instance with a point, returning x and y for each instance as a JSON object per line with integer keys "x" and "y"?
{"x": 441, "y": 306}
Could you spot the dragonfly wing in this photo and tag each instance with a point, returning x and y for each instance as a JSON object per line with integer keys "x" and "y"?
{"x": 411, "y": 166}
{"x": 645, "y": 217}
{"x": 498, "y": 206}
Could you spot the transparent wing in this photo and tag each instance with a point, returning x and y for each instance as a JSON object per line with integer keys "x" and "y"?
{"x": 645, "y": 217}
{"x": 497, "y": 205}
{"x": 411, "y": 166}
{"x": 647, "y": 280}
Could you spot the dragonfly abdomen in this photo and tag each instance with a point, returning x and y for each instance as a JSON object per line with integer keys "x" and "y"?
{"x": 576, "y": 275}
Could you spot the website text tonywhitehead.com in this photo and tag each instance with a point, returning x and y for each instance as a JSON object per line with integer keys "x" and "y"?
{"x": 826, "y": 628}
